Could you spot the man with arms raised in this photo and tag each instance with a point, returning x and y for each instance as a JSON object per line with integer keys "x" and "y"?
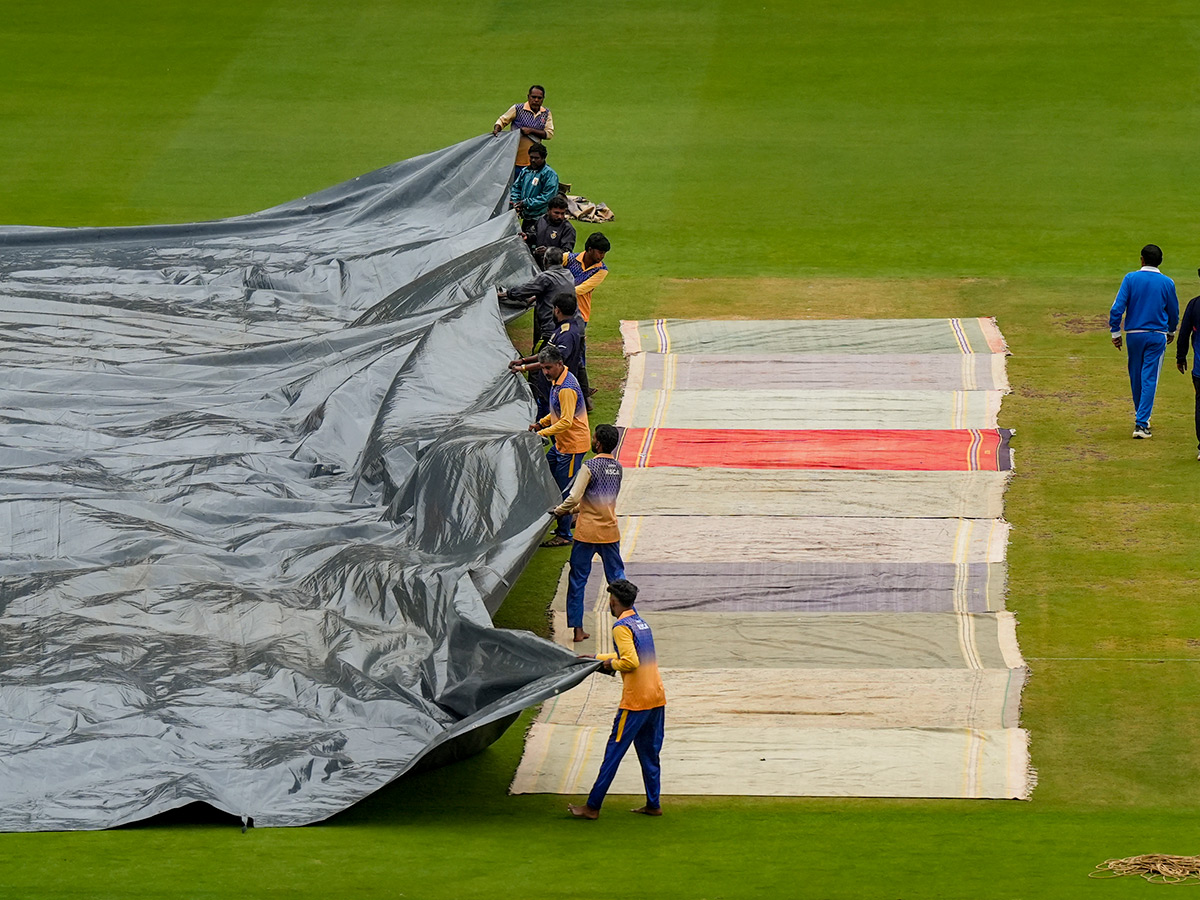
{"x": 532, "y": 119}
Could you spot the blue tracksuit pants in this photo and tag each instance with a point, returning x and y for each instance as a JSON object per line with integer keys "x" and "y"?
{"x": 1145, "y": 350}
{"x": 564, "y": 466}
{"x": 582, "y": 554}
{"x": 643, "y": 728}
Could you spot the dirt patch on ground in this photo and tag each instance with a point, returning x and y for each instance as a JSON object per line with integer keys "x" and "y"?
{"x": 1077, "y": 324}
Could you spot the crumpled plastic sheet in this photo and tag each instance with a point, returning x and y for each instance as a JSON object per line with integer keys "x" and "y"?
{"x": 262, "y": 483}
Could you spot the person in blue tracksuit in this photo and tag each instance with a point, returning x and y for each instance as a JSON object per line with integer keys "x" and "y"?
{"x": 1150, "y": 309}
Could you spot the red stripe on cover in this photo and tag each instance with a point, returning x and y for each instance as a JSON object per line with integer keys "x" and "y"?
{"x": 890, "y": 449}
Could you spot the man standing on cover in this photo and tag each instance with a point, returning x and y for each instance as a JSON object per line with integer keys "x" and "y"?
{"x": 533, "y": 120}
{"x": 533, "y": 188}
{"x": 641, "y": 714}
{"x": 594, "y": 495}
{"x": 1189, "y": 331}
{"x": 567, "y": 424}
{"x": 1150, "y": 308}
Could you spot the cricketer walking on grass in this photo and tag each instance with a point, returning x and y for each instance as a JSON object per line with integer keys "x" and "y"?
{"x": 1147, "y": 302}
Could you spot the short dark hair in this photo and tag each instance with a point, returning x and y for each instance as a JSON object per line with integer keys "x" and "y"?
{"x": 625, "y": 591}
{"x": 1152, "y": 254}
{"x": 558, "y": 201}
{"x": 566, "y": 302}
{"x": 607, "y": 437}
{"x": 550, "y": 354}
{"x": 537, "y": 87}
{"x": 597, "y": 241}
{"x": 539, "y": 149}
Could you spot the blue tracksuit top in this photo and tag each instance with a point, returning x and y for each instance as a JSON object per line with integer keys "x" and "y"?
{"x": 1147, "y": 301}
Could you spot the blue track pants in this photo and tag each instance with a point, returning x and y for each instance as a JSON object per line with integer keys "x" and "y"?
{"x": 564, "y": 466}
{"x": 1145, "y": 350}
{"x": 643, "y": 729}
{"x": 582, "y": 554}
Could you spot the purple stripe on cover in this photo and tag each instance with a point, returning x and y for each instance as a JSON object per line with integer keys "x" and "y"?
{"x": 1004, "y": 451}
{"x": 818, "y": 372}
{"x": 812, "y": 587}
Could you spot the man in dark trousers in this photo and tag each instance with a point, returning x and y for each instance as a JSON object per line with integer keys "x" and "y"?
{"x": 1189, "y": 327}
{"x": 641, "y": 714}
{"x": 541, "y": 291}
{"x": 567, "y": 424}
{"x": 568, "y": 338}
{"x": 1148, "y": 304}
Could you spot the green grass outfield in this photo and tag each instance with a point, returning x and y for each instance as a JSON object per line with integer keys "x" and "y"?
{"x": 832, "y": 159}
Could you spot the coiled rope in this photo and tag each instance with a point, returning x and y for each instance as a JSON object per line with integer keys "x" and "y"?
{"x": 1157, "y": 868}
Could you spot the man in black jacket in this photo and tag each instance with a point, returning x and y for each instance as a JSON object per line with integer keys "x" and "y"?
{"x": 568, "y": 338}
{"x": 1188, "y": 327}
{"x": 553, "y": 229}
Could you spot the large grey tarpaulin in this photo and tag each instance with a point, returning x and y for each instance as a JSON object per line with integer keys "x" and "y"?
{"x": 262, "y": 481}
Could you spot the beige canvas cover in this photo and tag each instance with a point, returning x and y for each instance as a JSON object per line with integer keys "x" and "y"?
{"x": 787, "y": 409}
{"x": 823, "y": 640}
{"x": 817, "y": 371}
{"x": 791, "y": 761}
{"x": 675, "y": 491}
{"x": 759, "y": 337}
{"x": 820, "y": 698}
{"x": 812, "y": 537}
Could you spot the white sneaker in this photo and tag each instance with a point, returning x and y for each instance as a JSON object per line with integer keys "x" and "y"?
{"x": 1140, "y": 431}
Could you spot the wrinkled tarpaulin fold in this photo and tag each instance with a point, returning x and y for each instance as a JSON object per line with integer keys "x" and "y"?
{"x": 261, "y": 482}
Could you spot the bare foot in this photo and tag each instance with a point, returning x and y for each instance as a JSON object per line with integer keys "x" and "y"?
{"x": 580, "y": 635}
{"x": 647, "y": 810}
{"x": 583, "y": 812}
